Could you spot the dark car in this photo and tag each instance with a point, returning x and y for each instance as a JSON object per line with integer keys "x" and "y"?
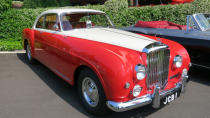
{"x": 195, "y": 36}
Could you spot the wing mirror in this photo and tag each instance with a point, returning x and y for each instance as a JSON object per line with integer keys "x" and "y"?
{"x": 88, "y": 24}
{"x": 55, "y": 27}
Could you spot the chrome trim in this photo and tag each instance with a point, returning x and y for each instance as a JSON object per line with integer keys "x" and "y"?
{"x": 158, "y": 55}
{"x": 127, "y": 85}
{"x": 146, "y": 99}
{"x": 148, "y": 50}
{"x": 132, "y": 104}
{"x": 176, "y": 60}
{"x": 90, "y": 92}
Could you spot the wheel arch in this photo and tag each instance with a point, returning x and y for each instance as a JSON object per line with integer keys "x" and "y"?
{"x": 94, "y": 70}
{"x": 25, "y": 42}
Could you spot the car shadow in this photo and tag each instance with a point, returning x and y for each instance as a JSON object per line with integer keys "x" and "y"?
{"x": 200, "y": 75}
{"x": 69, "y": 94}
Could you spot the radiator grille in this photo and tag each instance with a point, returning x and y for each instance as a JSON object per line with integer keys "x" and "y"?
{"x": 157, "y": 65}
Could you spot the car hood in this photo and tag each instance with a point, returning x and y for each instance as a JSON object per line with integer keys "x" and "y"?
{"x": 111, "y": 36}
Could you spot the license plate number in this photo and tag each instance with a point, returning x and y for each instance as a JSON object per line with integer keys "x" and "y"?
{"x": 170, "y": 98}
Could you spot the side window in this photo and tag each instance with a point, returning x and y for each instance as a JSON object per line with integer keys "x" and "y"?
{"x": 39, "y": 23}
{"x": 50, "y": 21}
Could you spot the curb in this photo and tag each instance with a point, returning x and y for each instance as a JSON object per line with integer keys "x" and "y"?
{"x": 12, "y": 52}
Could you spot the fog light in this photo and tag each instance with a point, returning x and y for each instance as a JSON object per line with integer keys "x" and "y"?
{"x": 184, "y": 73}
{"x": 136, "y": 90}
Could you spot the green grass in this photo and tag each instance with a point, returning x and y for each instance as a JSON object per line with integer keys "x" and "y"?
{"x": 10, "y": 45}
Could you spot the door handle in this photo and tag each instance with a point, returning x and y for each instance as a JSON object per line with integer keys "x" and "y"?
{"x": 40, "y": 32}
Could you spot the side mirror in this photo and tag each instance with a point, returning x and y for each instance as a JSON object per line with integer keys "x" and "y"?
{"x": 88, "y": 24}
{"x": 55, "y": 27}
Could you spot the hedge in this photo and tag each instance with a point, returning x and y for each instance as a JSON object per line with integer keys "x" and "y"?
{"x": 14, "y": 21}
{"x": 83, "y": 2}
{"x": 4, "y": 5}
{"x": 45, "y": 3}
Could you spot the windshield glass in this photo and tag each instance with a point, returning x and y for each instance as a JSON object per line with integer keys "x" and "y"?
{"x": 204, "y": 21}
{"x": 84, "y": 20}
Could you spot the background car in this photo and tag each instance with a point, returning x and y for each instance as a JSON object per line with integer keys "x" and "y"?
{"x": 111, "y": 68}
{"x": 195, "y": 36}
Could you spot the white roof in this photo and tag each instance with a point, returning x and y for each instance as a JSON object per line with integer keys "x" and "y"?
{"x": 72, "y": 10}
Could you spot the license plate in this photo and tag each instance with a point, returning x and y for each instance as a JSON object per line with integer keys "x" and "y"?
{"x": 170, "y": 98}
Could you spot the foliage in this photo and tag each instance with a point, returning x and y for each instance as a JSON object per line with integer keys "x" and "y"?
{"x": 5, "y": 5}
{"x": 10, "y": 45}
{"x": 116, "y": 5}
{"x": 84, "y": 2}
{"x": 173, "y": 13}
{"x": 13, "y": 21}
{"x": 45, "y": 3}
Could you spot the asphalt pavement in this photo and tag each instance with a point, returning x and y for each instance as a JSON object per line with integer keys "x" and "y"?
{"x": 33, "y": 91}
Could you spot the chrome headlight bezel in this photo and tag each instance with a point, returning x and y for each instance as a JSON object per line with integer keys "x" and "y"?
{"x": 178, "y": 61}
{"x": 140, "y": 71}
{"x": 184, "y": 72}
{"x": 136, "y": 90}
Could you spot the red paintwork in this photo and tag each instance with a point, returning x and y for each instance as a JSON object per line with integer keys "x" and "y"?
{"x": 114, "y": 65}
{"x": 181, "y": 1}
{"x": 160, "y": 24}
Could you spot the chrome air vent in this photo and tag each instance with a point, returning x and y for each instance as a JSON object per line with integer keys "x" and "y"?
{"x": 158, "y": 56}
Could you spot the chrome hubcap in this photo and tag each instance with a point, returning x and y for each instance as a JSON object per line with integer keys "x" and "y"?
{"x": 90, "y": 91}
{"x": 28, "y": 52}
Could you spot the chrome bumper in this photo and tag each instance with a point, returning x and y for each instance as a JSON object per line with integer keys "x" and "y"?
{"x": 146, "y": 99}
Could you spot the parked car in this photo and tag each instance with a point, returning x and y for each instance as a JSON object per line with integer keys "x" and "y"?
{"x": 195, "y": 36}
{"x": 156, "y": 2}
{"x": 111, "y": 68}
{"x": 181, "y": 1}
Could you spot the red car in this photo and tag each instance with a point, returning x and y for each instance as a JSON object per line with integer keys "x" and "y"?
{"x": 181, "y": 1}
{"x": 112, "y": 69}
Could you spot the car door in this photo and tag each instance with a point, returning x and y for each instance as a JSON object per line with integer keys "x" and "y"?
{"x": 65, "y": 59}
{"x": 38, "y": 47}
{"x": 45, "y": 41}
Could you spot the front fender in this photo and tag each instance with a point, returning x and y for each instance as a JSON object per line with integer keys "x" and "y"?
{"x": 28, "y": 35}
{"x": 114, "y": 65}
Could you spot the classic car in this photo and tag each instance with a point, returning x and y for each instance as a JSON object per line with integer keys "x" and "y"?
{"x": 195, "y": 36}
{"x": 156, "y": 2}
{"x": 181, "y": 1}
{"x": 112, "y": 69}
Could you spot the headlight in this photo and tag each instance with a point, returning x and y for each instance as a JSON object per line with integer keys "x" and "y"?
{"x": 178, "y": 61}
{"x": 136, "y": 90}
{"x": 140, "y": 71}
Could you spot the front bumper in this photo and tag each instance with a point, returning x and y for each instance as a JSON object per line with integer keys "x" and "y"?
{"x": 146, "y": 99}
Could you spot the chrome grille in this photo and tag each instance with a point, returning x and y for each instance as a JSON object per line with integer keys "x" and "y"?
{"x": 158, "y": 56}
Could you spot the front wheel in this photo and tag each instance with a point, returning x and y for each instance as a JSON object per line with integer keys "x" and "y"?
{"x": 28, "y": 54}
{"x": 91, "y": 93}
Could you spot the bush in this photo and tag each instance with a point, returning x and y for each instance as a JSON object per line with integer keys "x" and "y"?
{"x": 84, "y": 2}
{"x": 45, "y": 3}
{"x": 4, "y": 5}
{"x": 116, "y": 5}
{"x": 173, "y": 13}
{"x": 13, "y": 21}
{"x": 10, "y": 45}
